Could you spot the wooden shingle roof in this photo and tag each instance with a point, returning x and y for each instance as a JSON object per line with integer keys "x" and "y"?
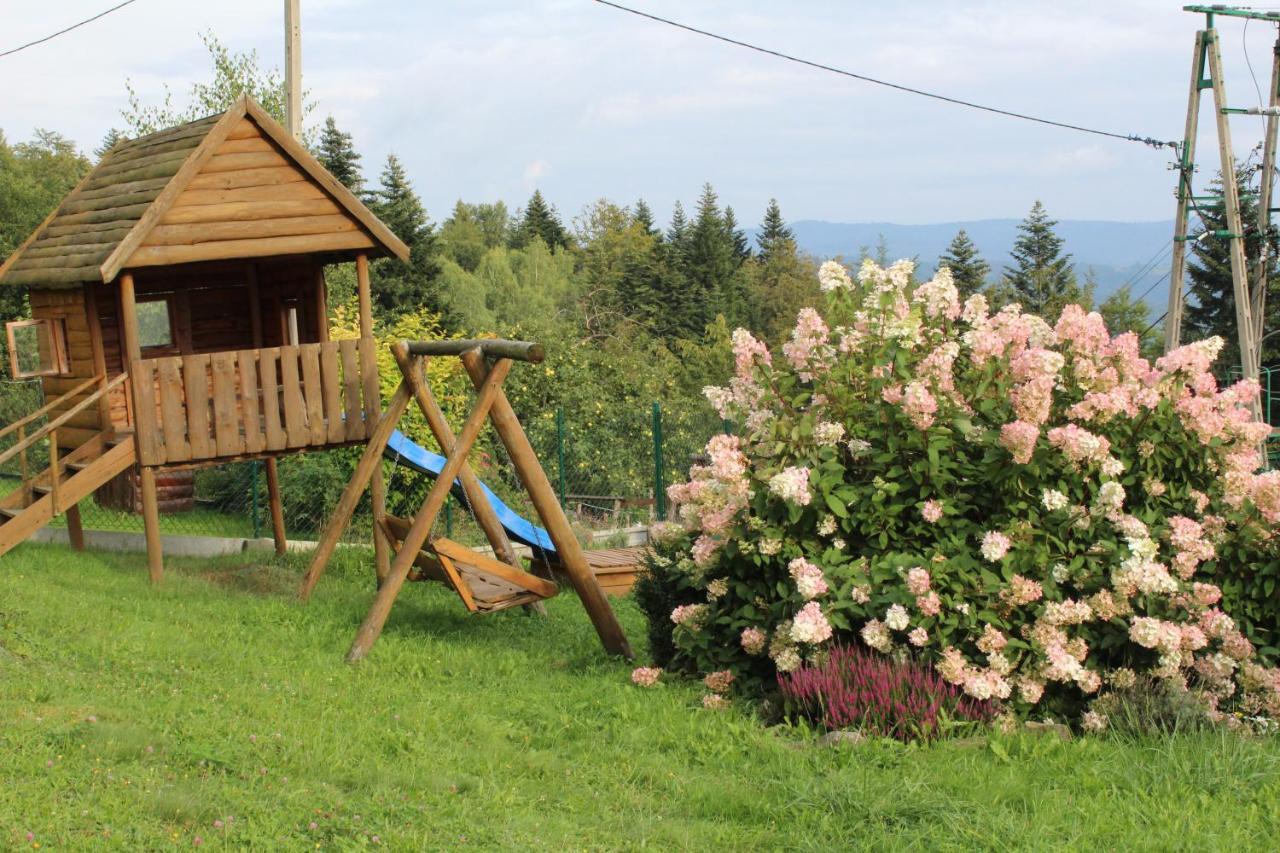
{"x": 105, "y": 223}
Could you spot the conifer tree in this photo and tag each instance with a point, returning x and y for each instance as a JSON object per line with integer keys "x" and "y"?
{"x": 679, "y": 225}
{"x": 741, "y": 248}
{"x": 1211, "y": 301}
{"x": 338, "y": 154}
{"x": 109, "y": 141}
{"x": 774, "y": 232}
{"x": 413, "y": 285}
{"x": 643, "y": 217}
{"x": 968, "y": 269}
{"x": 540, "y": 220}
{"x": 1041, "y": 277}
{"x": 709, "y": 266}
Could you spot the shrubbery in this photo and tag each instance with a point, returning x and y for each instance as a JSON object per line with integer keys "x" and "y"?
{"x": 1035, "y": 510}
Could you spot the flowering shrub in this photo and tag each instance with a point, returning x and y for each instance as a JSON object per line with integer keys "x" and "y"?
{"x": 1035, "y": 509}
{"x": 852, "y": 688}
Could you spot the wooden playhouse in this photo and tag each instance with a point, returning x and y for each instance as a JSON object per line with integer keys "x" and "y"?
{"x": 179, "y": 320}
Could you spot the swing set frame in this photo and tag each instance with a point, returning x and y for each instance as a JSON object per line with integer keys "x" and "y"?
{"x": 487, "y": 362}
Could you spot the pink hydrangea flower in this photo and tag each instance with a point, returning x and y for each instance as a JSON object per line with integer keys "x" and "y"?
{"x": 994, "y": 546}
{"x": 809, "y": 580}
{"x": 752, "y": 640}
{"x": 792, "y": 485}
{"x": 810, "y": 625}
{"x": 1019, "y": 438}
{"x": 646, "y": 676}
{"x": 931, "y": 511}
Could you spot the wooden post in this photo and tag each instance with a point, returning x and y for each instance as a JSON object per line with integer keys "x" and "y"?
{"x": 293, "y": 68}
{"x": 377, "y": 487}
{"x": 141, "y": 420}
{"x": 1235, "y": 224}
{"x": 270, "y": 464}
{"x": 1262, "y": 273}
{"x": 369, "y": 463}
{"x": 75, "y": 527}
{"x": 23, "y": 471}
{"x": 490, "y": 389}
{"x": 276, "y": 505}
{"x": 53, "y": 470}
{"x": 552, "y": 515}
{"x": 1186, "y": 166}
{"x": 476, "y": 498}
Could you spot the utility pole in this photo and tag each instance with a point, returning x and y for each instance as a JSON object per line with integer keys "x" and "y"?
{"x": 1206, "y": 73}
{"x": 293, "y": 67}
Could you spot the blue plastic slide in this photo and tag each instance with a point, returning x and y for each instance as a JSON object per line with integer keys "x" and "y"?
{"x": 402, "y": 450}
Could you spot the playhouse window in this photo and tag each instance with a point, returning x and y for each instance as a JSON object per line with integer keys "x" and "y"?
{"x": 37, "y": 348}
{"x": 155, "y": 323}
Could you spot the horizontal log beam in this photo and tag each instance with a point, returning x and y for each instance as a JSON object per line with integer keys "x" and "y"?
{"x": 515, "y": 350}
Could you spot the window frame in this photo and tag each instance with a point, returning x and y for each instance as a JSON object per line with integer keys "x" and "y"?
{"x": 59, "y": 359}
{"x": 170, "y": 306}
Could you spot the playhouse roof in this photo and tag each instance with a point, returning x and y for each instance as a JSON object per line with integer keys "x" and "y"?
{"x": 232, "y": 185}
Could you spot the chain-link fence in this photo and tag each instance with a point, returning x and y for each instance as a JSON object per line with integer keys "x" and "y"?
{"x": 609, "y": 465}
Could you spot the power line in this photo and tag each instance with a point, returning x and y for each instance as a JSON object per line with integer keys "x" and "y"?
{"x": 67, "y": 30}
{"x": 1128, "y": 137}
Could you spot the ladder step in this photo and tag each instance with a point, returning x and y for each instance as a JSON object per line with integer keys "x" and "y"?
{"x": 79, "y": 466}
{"x": 7, "y": 514}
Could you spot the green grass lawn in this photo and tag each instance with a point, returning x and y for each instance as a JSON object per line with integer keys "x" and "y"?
{"x": 217, "y": 707}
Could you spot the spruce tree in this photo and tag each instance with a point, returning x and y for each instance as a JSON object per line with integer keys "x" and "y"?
{"x": 1211, "y": 302}
{"x": 774, "y": 233}
{"x": 413, "y": 286}
{"x": 643, "y": 217}
{"x": 338, "y": 154}
{"x": 710, "y": 263}
{"x": 1041, "y": 277}
{"x": 741, "y": 248}
{"x": 968, "y": 269}
{"x": 540, "y": 220}
{"x": 679, "y": 225}
{"x": 109, "y": 141}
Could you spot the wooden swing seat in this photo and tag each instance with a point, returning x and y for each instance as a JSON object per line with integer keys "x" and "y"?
{"x": 484, "y": 584}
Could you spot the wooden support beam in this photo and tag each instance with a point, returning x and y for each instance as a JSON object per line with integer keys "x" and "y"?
{"x": 517, "y": 350}
{"x": 378, "y": 487}
{"x": 1186, "y": 173}
{"x": 75, "y": 528}
{"x": 144, "y": 419}
{"x": 550, "y": 512}
{"x": 276, "y": 505}
{"x": 369, "y": 463}
{"x": 412, "y": 368}
{"x": 490, "y": 389}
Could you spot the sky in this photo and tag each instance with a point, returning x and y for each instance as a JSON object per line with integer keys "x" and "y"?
{"x": 489, "y": 99}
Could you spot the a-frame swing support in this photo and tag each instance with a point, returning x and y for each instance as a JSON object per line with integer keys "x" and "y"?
{"x": 487, "y": 363}
{"x": 1250, "y": 296}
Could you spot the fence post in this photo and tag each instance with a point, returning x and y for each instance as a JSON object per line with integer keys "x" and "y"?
{"x": 564, "y": 498}
{"x": 255, "y": 468}
{"x": 659, "y": 469}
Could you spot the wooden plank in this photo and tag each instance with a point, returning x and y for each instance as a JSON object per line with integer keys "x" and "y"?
{"x": 142, "y": 373}
{"x": 272, "y": 176}
{"x": 151, "y": 523}
{"x": 268, "y": 360}
{"x": 244, "y": 129}
{"x": 313, "y": 393}
{"x": 369, "y": 381}
{"x": 247, "y": 210}
{"x": 276, "y": 506}
{"x": 212, "y": 232}
{"x": 149, "y": 256}
{"x": 195, "y": 377}
{"x": 331, "y": 380}
{"x": 226, "y": 415}
{"x": 250, "y": 403}
{"x": 458, "y": 584}
{"x": 295, "y": 409}
{"x": 245, "y": 145}
{"x": 349, "y": 350}
{"x": 300, "y": 191}
{"x": 237, "y": 162}
{"x": 462, "y": 554}
{"x": 173, "y": 410}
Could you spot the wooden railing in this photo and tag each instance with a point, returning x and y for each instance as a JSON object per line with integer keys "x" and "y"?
{"x": 254, "y": 402}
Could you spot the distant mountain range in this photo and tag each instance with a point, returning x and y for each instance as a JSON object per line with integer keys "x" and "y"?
{"x": 1115, "y": 251}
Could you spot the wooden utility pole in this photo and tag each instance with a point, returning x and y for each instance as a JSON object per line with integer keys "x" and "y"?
{"x": 1248, "y": 275}
{"x": 293, "y": 67}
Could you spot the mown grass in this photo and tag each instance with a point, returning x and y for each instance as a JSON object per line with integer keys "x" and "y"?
{"x": 141, "y": 717}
